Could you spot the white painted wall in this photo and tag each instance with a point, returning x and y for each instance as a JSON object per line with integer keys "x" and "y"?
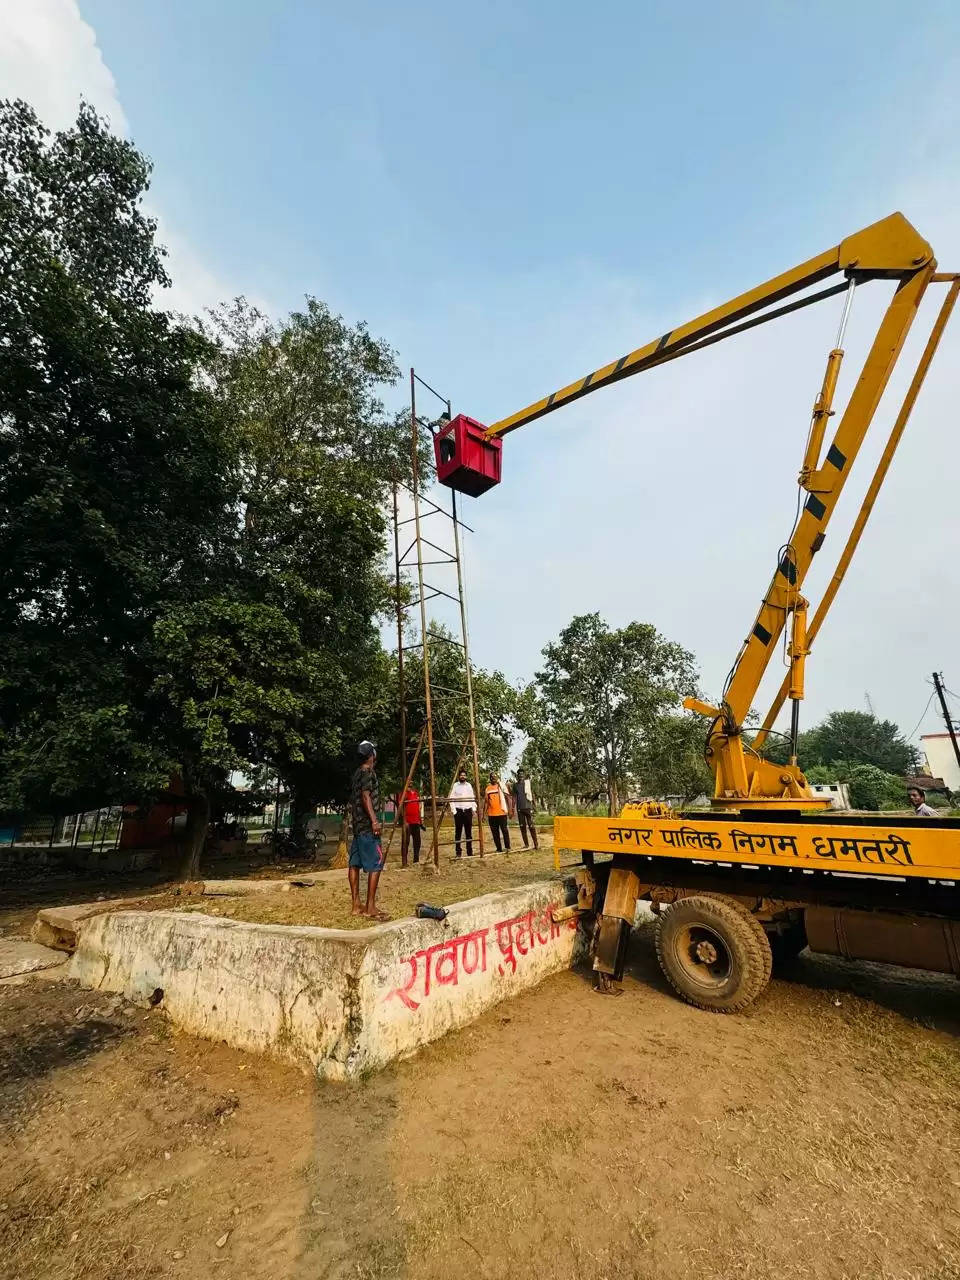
{"x": 836, "y": 792}
{"x": 941, "y": 762}
{"x": 340, "y": 1001}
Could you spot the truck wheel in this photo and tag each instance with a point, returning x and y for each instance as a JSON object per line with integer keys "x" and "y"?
{"x": 714, "y": 953}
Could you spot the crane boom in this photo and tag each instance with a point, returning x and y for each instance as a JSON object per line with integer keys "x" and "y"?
{"x": 890, "y": 249}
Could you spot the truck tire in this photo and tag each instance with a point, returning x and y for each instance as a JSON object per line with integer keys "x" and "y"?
{"x": 714, "y": 953}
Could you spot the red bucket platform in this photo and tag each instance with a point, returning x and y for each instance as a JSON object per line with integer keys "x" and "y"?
{"x": 468, "y": 460}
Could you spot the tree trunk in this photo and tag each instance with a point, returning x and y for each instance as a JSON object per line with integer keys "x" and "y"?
{"x": 613, "y": 799}
{"x": 613, "y": 787}
{"x": 195, "y": 833}
{"x": 302, "y": 807}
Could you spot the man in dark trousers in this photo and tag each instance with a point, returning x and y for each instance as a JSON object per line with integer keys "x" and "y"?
{"x": 523, "y": 804}
{"x": 366, "y": 853}
{"x": 463, "y": 803}
{"x": 496, "y": 807}
{"x": 412, "y": 817}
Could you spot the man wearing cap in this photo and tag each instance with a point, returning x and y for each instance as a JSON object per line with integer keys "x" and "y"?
{"x": 366, "y": 853}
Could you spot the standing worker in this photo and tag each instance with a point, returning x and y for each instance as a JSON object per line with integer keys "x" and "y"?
{"x": 366, "y": 853}
{"x": 463, "y": 802}
{"x": 496, "y": 807}
{"x": 412, "y": 816}
{"x": 523, "y": 803}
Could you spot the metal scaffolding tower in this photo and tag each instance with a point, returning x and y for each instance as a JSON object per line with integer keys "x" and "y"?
{"x": 436, "y": 559}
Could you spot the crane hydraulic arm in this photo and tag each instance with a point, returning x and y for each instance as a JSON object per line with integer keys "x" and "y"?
{"x": 890, "y": 249}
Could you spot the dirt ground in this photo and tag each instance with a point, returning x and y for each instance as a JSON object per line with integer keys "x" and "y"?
{"x": 564, "y": 1133}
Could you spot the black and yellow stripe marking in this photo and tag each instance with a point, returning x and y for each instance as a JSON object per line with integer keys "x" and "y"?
{"x": 888, "y": 246}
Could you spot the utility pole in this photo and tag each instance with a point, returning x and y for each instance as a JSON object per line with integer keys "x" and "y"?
{"x": 938, "y": 685}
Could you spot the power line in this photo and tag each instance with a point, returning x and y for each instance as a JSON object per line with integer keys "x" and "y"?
{"x": 922, "y": 714}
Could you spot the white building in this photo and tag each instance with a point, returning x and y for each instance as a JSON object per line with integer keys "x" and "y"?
{"x": 835, "y": 792}
{"x": 941, "y": 762}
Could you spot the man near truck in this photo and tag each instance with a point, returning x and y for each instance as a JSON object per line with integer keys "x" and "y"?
{"x": 496, "y": 809}
{"x": 918, "y": 799}
{"x": 463, "y": 802}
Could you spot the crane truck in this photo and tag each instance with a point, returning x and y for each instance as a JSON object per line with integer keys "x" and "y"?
{"x": 767, "y": 870}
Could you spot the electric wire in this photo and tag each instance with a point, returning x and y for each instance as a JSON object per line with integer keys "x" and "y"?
{"x": 922, "y": 714}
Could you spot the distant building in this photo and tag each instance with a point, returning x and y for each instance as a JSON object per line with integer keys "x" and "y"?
{"x": 835, "y": 792}
{"x": 941, "y": 762}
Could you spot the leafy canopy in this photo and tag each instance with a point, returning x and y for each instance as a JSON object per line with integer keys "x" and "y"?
{"x": 604, "y": 713}
{"x": 116, "y": 467}
{"x": 854, "y": 737}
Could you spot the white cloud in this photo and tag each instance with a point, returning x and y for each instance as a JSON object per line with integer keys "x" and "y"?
{"x": 49, "y": 56}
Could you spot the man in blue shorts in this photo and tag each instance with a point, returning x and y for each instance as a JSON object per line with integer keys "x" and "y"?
{"x": 365, "y": 851}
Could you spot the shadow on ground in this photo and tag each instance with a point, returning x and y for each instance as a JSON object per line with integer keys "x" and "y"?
{"x": 31, "y": 1052}
{"x": 930, "y": 999}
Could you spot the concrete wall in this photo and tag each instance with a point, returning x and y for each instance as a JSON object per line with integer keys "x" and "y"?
{"x": 340, "y": 1001}
{"x": 941, "y": 762}
{"x": 838, "y": 793}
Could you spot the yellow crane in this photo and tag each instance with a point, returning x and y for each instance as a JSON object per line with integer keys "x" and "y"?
{"x": 773, "y": 876}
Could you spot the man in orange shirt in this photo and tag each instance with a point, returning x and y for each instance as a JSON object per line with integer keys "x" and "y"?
{"x": 496, "y": 805}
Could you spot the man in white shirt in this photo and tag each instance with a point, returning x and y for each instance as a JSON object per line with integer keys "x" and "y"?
{"x": 463, "y": 802}
{"x": 919, "y": 801}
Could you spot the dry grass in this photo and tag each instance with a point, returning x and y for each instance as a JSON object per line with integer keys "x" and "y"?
{"x": 328, "y": 903}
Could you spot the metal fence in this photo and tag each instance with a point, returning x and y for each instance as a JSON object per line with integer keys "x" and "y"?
{"x": 96, "y": 829}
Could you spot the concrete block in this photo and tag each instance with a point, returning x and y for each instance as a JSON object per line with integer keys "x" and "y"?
{"x": 19, "y": 956}
{"x": 237, "y": 888}
{"x": 341, "y": 1002}
{"x": 58, "y": 926}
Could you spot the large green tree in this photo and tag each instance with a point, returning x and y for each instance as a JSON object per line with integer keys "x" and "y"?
{"x": 319, "y": 454}
{"x": 117, "y": 476}
{"x": 851, "y": 737}
{"x": 192, "y": 518}
{"x": 603, "y": 698}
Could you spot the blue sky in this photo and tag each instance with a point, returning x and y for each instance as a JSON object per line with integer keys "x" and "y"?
{"x": 515, "y": 193}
